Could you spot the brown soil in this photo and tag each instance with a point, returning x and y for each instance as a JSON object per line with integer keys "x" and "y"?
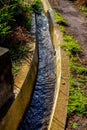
{"x": 77, "y": 22}
{"x": 81, "y": 121}
{"x": 78, "y": 29}
{"x": 82, "y": 2}
{"x": 17, "y": 36}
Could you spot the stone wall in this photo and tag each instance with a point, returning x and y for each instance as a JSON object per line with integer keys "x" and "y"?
{"x": 6, "y": 78}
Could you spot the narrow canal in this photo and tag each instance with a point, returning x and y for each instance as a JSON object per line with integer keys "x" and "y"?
{"x": 38, "y": 114}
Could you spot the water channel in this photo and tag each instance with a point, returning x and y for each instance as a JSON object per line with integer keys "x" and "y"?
{"x": 38, "y": 114}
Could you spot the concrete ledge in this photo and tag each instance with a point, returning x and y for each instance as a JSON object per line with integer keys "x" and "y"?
{"x": 59, "y": 112}
{"x": 46, "y": 5}
{"x": 57, "y": 40}
{"x": 24, "y": 85}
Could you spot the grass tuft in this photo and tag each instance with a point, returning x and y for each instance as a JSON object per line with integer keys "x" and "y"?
{"x": 71, "y": 45}
{"x": 84, "y": 10}
{"x": 60, "y": 19}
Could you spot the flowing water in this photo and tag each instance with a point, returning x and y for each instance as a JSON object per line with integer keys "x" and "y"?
{"x": 38, "y": 115}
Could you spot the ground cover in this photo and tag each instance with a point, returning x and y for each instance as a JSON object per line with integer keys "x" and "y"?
{"x": 15, "y": 25}
{"x": 15, "y": 21}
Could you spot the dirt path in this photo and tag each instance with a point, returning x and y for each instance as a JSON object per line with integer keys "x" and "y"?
{"x": 77, "y": 22}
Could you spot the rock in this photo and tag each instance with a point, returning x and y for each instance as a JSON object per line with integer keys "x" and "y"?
{"x": 6, "y": 78}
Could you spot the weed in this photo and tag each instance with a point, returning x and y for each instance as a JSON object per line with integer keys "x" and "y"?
{"x": 84, "y": 10}
{"x": 60, "y": 20}
{"x": 15, "y": 68}
{"x": 75, "y": 126}
{"x": 63, "y": 30}
{"x": 77, "y": 102}
{"x": 5, "y": 18}
{"x": 78, "y": 69}
{"x": 37, "y": 6}
{"x": 71, "y": 45}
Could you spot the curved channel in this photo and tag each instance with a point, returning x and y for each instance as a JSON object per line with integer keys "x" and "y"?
{"x": 38, "y": 115}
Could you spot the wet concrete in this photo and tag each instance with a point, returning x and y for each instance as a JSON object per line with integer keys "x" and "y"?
{"x": 77, "y": 22}
{"x": 38, "y": 115}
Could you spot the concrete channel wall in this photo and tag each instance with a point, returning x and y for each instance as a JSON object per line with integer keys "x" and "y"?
{"x": 58, "y": 108}
{"x": 24, "y": 85}
{"x": 57, "y": 40}
{"x": 59, "y": 113}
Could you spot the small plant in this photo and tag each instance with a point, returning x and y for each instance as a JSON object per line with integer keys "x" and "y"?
{"x": 71, "y": 45}
{"x": 78, "y": 69}
{"x": 75, "y": 126}
{"x": 5, "y": 18}
{"x": 63, "y": 30}
{"x": 83, "y": 9}
{"x": 37, "y": 6}
{"x": 60, "y": 20}
{"x": 77, "y": 102}
{"x": 15, "y": 68}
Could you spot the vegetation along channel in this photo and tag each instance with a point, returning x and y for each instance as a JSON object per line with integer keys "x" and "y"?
{"x": 21, "y": 20}
{"x": 72, "y": 19}
{"x": 15, "y": 21}
{"x": 39, "y": 112}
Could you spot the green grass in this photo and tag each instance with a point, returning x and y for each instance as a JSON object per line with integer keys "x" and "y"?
{"x": 71, "y": 45}
{"x": 37, "y": 6}
{"x": 75, "y": 126}
{"x": 60, "y": 19}
{"x": 77, "y": 100}
{"x": 77, "y": 68}
{"x": 16, "y": 68}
